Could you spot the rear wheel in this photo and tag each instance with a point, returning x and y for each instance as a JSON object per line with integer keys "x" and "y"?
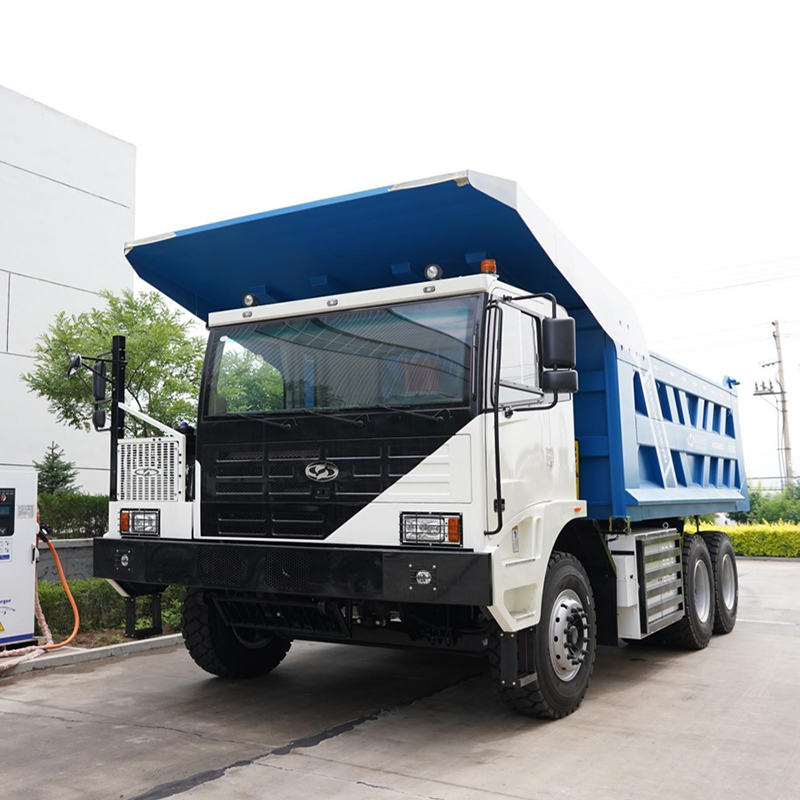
{"x": 693, "y": 630}
{"x": 222, "y": 650}
{"x": 563, "y": 645}
{"x": 726, "y": 579}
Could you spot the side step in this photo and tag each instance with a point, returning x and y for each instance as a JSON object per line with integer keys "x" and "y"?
{"x": 649, "y": 581}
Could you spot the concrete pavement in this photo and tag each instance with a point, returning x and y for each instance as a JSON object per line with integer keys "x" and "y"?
{"x": 341, "y": 722}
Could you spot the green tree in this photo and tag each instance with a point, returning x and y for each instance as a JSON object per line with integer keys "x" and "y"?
{"x": 783, "y": 506}
{"x": 164, "y": 360}
{"x": 56, "y": 474}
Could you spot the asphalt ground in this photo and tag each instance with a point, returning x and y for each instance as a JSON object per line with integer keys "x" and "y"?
{"x": 344, "y": 722}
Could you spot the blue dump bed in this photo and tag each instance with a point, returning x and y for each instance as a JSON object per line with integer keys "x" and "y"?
{"x": 654, "y": 440}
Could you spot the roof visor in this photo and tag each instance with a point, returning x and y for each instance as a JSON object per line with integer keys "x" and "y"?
{"x": 379, "y": 238}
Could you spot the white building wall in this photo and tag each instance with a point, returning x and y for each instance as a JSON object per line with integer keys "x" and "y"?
{"x": 66, "y": 209}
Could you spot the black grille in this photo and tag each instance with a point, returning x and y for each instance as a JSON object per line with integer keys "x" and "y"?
{"x": 241, "y": 516}
{"x": 240, "y": 455}
{"x": 281, "y": 471}
{"x": 240, "y": 469}
{"x": 289, "y": 487}
{"x": 283, "y": 515}
{"x": 260, "y": 490}
{"x": 221, "y": 568}
{"x": 298, "y": 452}
{"x": 370, "y": 488}
{"x": 288, "y": 572}
{"x": 353, "y": 450}
{"x": 240, "y": 488}
{"x": 229, "y": 528}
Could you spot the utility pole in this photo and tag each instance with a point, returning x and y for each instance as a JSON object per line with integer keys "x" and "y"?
{"x": 783, "y": 408}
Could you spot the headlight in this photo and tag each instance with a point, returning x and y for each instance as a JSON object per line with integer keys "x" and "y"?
{"x": 142, "y": 523}
{"x": 426, "y": 528}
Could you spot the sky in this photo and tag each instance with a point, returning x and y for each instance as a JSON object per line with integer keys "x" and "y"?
{"x": 662, "y": 139}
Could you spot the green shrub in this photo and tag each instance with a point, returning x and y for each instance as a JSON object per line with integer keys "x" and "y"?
{"x": 100, "y": 606}
{"x": 783, "y": 506}
{"x": 74, "y": 516}
{"x": 779, "y": 539}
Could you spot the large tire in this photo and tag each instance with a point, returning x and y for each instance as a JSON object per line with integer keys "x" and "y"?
{"x": 726, "y": 579}
{"x": 217, "y": 649}
{"x": 693, "y": 630}
{"x": 557, "y": 690}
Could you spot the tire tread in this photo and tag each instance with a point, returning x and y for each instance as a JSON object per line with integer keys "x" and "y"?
{"x": 714, "y": 540}
{"x": 208, "y": 655}
{"x": 683, "y": 634}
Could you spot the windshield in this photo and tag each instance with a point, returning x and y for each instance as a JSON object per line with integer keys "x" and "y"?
{"x": 409, "y": 354}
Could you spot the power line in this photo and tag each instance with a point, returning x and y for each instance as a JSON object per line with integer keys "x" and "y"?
{"x": 660, "y": 295}
{"x": 777, "y": 265}
{"x": 715, "y": 345}
{"x": 706, "y": 333}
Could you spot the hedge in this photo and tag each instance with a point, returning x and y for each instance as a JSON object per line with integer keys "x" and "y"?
{"x": 74, "y": 516}
{"x": 100, "y": 606}
{"x": 779, "y": 539}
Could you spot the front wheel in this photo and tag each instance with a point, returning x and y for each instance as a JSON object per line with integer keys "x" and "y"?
{"x": 222, "y": 650}
{"x": 564, "y": 644}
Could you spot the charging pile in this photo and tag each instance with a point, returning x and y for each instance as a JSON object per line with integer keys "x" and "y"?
{"x": 19, "y": 597}
{"x": 11, "y": 658}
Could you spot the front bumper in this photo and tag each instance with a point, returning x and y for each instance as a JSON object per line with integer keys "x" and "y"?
{"x": 457, "y": 578}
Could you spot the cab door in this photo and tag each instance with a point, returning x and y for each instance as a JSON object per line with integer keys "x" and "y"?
{"x": 521, "y": 426}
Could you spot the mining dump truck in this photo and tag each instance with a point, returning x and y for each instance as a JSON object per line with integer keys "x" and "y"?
{"x": 425, "y": 421}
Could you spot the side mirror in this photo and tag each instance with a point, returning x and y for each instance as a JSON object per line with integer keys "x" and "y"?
{"x": 99, "y": 381}
{"x": 558, "y": 343}
{"x": 75, "y": 363}
{"x": 563, "y": 381}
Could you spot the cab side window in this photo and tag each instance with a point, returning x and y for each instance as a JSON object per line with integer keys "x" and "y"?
{"x": 519, "y": 367}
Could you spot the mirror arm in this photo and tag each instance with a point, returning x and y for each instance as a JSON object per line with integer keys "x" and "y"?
{"x": 96, "y": 371}
{"x": 545, "y": 295}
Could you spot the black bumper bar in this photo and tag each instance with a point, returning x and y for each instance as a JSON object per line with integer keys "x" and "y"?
{"x": 457, "y": 578}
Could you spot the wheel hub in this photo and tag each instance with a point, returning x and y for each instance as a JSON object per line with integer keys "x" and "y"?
{"x": 568, "y": 635}
{"x": 702, "y": 590}
{"x": 728, "y": 581}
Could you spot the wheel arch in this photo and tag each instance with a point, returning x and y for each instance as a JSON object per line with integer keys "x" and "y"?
{"x": 583, "y": 539}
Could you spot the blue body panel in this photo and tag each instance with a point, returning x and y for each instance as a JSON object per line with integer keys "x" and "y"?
{"x": 654, "y": 440}
{"x": 618, "y": 467}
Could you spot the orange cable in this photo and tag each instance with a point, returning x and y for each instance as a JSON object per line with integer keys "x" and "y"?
{"x": 75, "y": 613}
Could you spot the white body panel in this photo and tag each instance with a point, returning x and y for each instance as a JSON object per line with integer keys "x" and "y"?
{"x": 375, "y": 297}
{"x": 18, "y": 560}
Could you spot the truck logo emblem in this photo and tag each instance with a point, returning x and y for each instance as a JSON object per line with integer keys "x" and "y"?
{"x": 322, "y": 471}
{"x": 147, "y": 472}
